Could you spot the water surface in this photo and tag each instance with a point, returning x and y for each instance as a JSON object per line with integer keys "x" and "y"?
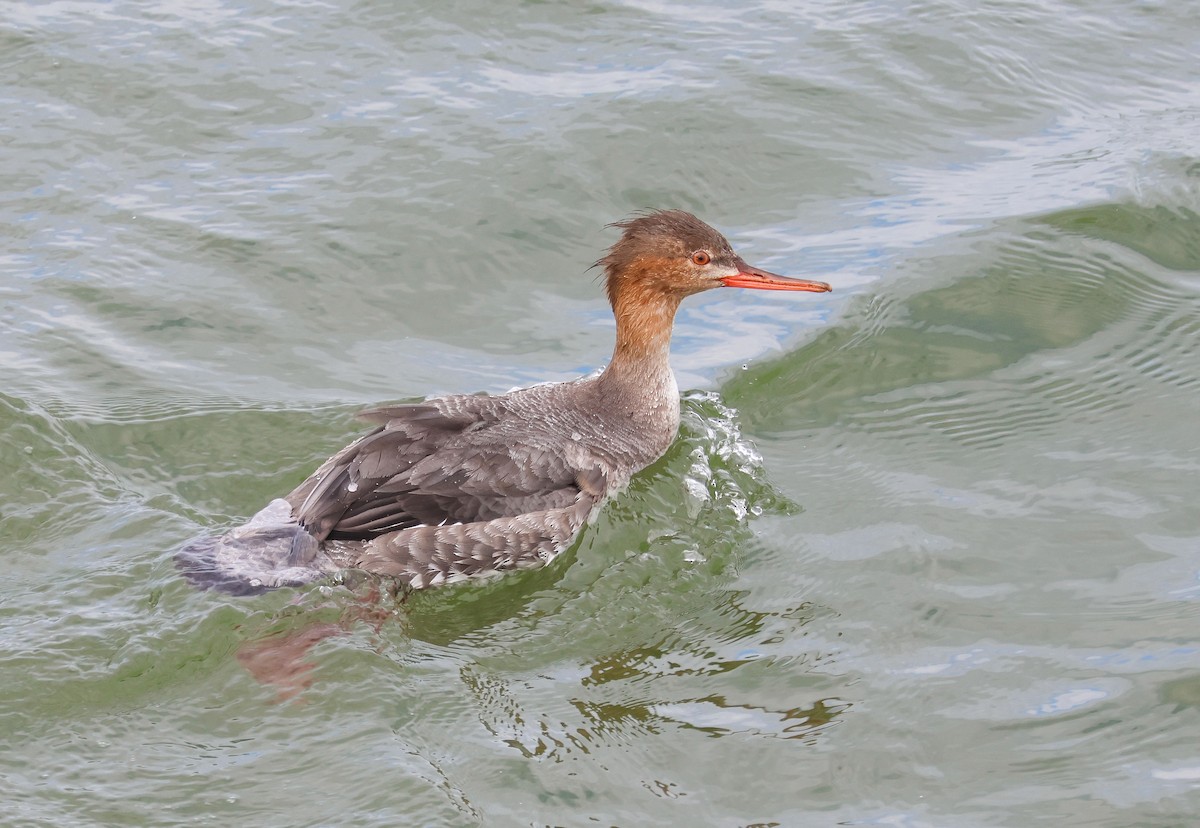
{"x": 926, "y": 552}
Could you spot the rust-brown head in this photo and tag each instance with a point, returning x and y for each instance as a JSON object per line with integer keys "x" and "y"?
{"x": 675, "y": 253}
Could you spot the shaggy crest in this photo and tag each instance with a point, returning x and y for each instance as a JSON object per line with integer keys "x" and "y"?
{"x": 661, "y": 234}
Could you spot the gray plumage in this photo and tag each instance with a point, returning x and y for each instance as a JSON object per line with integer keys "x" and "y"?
{"x": 466, "y": 485}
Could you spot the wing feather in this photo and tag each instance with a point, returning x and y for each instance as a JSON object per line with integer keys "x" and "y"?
{"x": 431, "y": 464}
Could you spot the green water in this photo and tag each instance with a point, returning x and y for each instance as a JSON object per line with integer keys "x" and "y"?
{"x": 927, "y": 549}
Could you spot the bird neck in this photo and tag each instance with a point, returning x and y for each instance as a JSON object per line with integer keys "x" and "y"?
{"x": 641, "y": 355}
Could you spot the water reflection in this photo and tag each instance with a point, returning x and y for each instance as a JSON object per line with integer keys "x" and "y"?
{"x": 682, "y": 681}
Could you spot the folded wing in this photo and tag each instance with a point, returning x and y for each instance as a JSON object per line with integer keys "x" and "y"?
{"x": 435, "y": 464}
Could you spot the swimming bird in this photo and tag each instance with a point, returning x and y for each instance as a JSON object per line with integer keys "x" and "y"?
{"x": 465, "y": 485}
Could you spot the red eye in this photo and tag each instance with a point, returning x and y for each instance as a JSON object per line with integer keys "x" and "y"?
{"x": 700, "y": 257}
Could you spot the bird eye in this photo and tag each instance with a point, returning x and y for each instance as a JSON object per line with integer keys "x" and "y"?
{"x": 701, "y": 257}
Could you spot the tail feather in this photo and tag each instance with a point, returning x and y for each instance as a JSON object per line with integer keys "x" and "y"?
{"x": 272, "y": 550}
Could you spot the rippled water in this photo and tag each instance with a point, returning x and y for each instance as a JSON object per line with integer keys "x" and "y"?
{"x": 926, "y": 552}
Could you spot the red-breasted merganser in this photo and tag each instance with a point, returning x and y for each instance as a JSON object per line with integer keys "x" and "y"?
{"x": 467, "y": 485}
